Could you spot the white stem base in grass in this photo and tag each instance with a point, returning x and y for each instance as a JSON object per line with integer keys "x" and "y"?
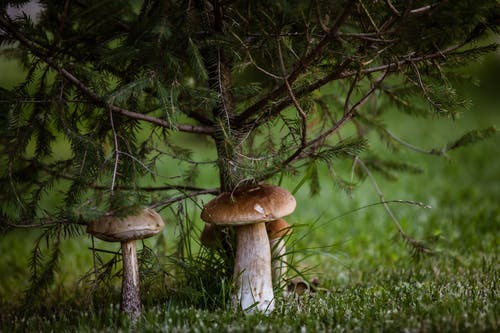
{"x": 131, "y": 301}
{"x": 252, "y": 270}
{"x": 278, "y": 259}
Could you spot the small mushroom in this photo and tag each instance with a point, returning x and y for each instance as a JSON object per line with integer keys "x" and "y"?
{"x": 127, "y": 230}
{"x": 276, "y": 231}
{"x": 247, "y": 210}
{"x": 211, "y": 236}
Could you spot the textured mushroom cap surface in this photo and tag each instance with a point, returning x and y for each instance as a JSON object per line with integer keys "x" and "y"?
{"x": 249, "y": 205}
{"x": 119, "y": 229}
{"x": 278, "y": 229}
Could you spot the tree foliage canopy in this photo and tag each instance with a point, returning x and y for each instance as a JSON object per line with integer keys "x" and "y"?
{"x": 113, "y": 88}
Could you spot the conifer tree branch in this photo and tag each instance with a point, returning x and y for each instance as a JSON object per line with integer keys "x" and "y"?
{"x": 339, "y": 73}
{"x": 151, "y": 188}
{"x": 36, "y": 50}
{"x": 301, "y": 66}
{"x": 313, "y": 144}
{"x": 49, "y": 169}
{"x": 42, "y": 223}
{"x": 306, "y": 150}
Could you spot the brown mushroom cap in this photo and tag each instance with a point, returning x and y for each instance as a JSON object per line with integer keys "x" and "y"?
{"x": 115, "y": 229}
{"x": 278, "y": 229}
{"x": 249, "y": 205}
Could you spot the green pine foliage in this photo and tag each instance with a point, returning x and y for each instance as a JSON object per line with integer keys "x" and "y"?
{"x": 259, "y": 89}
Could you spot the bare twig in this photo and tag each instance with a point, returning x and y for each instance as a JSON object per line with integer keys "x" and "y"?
{"x": 417, "y": 245}
{"x": 392, "y": 8}
{"x": 182, "y": 197}
{"x": 94, "y": 249}
{"x": 117, "y": 151}
{"x": 349, "y": 94}
{"x": 320, "y": 21}
{"x": 301, "y": 112}
{"x": 407, "y": 144}
{"x": 370, "y": 18}
{"x": 423, "y": 9}
{"x": 411, "y": 11}
{"x": 94, "y": 258}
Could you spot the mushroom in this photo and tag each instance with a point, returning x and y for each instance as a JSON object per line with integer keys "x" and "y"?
{"x": 210, "y": 236}
{"x": 248, "y": 209}
{"x": 127, "y": 230}
{"x": 276, "y": 231}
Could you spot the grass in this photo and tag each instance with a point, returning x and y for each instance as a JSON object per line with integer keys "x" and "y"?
{"x": 369, "y": 280}
{"x": 412, "y": 300}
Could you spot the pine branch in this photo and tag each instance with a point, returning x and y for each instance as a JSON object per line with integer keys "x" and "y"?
{"x": 338, "y": 74}
{"x": 43, "y": 223}
{"x": 313, "y": 144}
{"x": 301, "y": 66}
{"x": 310, "y": 147}
{"x": 100, "y": 101}
{"x": 466, "y": 139}
{"x": 50, "y": 170}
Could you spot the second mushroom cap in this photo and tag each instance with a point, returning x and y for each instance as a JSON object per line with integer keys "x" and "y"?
{"x": 248, "y": 205}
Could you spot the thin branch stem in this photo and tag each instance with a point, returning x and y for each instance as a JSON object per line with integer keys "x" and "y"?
{"x": 38, "y": 225}
{"x": 419, "y": 10}
{"x": 94, "y": 257}
{"x": 392, "y": 8}
{"x": 117, "y": 151}
{"x": 381, "y": 196}
{"x": 408, "y": 145}
{"x": 301, "y": 112}
{"x": 94, "y": 249}
{"x": 182, "y": 197}
{"x": 415, "y": 243}
{"x": 349, "y": 94}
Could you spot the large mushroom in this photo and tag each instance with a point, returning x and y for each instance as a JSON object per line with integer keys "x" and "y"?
{"x": 247, "y": 209}
{"x": 127, "y": 230}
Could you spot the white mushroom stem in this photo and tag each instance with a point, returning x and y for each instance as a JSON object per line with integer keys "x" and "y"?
{"x": 252, "y": 269}
{"x": 279, "y": 261}
{"x": 131, "y": 301}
